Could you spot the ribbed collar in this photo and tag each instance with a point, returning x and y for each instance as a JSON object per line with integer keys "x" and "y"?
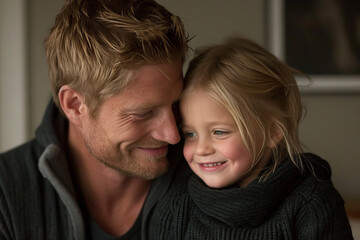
{"x": 251, "y": 205}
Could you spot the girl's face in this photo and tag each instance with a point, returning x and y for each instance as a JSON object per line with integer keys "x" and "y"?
{"x": 214, "y": 148}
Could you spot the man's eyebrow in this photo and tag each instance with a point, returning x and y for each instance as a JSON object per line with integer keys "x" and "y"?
{"x": 136, "y": 108}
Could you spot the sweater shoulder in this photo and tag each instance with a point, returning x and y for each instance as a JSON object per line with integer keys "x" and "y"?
{"x": 320, "y": 210}
{"x": 314, "y": 188}
{"x": 20, "y": 161}
{"x": 19, "y": 173}
{"x": 20, "y": 191}
{"x": 317, "y": 182}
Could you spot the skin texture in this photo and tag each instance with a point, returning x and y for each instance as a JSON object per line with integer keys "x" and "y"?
{"x": 214, "y": 148}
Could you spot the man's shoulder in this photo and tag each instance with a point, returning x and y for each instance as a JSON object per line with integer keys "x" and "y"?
{"x": 18, "y": 163}
{"x": 19, "y": 175}
{"x": 29, "y": 205}
{"x": 28, "y": 149}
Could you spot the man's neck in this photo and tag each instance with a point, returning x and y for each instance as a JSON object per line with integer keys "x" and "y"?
{"x": 112, "y": 199}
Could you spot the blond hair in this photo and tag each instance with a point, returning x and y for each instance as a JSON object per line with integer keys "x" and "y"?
{"x": 258, "y": 90}
{"x": 96, "y": 46}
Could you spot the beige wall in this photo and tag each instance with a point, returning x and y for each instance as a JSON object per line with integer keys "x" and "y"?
{"x": 330, "y": 129}
{"x": 13, "y": 94}
{"x": 41, "y": 15}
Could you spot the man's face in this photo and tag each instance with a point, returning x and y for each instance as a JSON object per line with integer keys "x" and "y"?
{"x": 132, "y": 130}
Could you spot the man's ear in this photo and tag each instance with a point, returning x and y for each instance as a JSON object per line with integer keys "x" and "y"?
{"x": 72, "y": 104}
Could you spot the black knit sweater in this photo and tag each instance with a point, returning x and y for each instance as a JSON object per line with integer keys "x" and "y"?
{"x": 288, "y": 205}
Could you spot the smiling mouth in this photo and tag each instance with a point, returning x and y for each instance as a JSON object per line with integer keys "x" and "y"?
{"x": 212, "y": 165}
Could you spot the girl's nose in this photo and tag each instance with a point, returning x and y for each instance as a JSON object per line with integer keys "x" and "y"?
{"x": 204, "y": 147}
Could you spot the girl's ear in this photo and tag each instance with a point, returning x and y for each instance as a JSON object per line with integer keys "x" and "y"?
{"x": 72, "y": 104}
{"x": 276, "y": 137}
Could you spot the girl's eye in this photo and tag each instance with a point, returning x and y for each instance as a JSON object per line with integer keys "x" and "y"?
{"x": 189, "y": 134}
{"x": 219, "y": 132}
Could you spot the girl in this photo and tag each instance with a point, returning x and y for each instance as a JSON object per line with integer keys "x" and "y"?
{"x": 240, "y": 113}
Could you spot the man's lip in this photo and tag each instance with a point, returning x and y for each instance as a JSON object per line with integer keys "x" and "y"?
{"x": 156, "y": 151}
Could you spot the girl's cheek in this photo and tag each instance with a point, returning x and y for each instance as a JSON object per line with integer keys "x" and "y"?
{"x": 188, "y": 152}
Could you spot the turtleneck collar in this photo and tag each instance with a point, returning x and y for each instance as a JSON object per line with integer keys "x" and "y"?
{"x": 251, "y": 205}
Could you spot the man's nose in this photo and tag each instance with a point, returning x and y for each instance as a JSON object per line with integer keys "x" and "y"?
{"x": 167, "y": 130}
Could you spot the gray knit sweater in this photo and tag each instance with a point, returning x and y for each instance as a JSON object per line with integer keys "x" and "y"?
{"x": 288, "y": 205}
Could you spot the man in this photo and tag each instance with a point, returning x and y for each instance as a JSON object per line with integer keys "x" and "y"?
{"x": 99, "y": 161}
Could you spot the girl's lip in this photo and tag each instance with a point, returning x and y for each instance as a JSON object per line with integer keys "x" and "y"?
{"x": 211, "y": 166}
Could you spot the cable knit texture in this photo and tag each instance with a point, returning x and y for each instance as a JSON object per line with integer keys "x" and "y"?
{"x": 288, "y": 205}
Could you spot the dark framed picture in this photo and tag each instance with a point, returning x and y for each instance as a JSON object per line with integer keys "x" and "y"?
{"x": 320, "y": 38}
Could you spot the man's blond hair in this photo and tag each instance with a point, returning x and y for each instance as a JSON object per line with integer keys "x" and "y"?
{"x": 96, "y": 46}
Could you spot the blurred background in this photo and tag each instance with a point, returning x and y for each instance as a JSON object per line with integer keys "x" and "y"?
{"x": 330, "y": 129}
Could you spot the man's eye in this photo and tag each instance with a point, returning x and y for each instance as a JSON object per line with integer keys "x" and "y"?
{"x": 142, "y": 115}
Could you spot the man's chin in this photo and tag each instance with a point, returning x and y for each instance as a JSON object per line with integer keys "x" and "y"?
{"x": 155, "y": 169}
{"x": 149, "y": 169}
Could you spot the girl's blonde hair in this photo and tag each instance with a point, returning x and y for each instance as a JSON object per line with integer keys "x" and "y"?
{"x": 258, "y": 90}
{"x": 96, "y": 46}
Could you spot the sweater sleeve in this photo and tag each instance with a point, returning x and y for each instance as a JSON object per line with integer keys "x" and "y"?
{"x": 323, "y": 216}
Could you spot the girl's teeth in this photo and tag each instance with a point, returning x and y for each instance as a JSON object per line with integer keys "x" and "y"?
{"x": 211, "y": 164}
